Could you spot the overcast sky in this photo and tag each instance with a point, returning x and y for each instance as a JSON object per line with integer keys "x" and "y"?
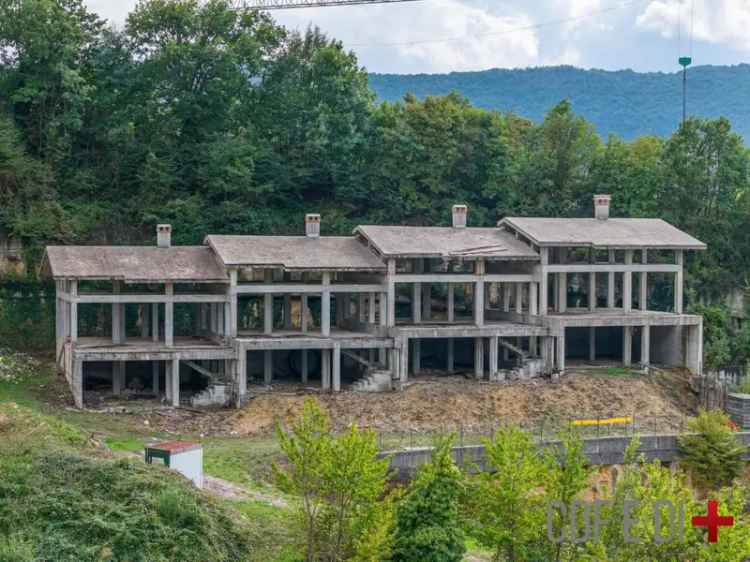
{"x": 455, "y": 35}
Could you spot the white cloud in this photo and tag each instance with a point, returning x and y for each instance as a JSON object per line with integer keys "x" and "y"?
{"x": 434, "y": 36}
{"x": 714, "y": 21}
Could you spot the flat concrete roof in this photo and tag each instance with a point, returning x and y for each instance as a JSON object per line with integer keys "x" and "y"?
{"x": 609, "y": 233}
{"x": 325, "y": 253}
{"x": 445, "y": 242}
{"x": 148, "y": 264}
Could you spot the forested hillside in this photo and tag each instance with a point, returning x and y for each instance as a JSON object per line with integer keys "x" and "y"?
{"x": 625, "y": 103}
{"x": 220, "y": 121}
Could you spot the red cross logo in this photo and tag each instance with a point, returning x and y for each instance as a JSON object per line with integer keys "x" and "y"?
{"x": 712, "y": 521}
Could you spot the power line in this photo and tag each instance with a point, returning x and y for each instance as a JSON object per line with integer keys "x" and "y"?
{"x": 505, "y": 31}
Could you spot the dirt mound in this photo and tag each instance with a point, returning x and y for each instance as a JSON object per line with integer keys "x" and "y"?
{"x": 659, "y": 402}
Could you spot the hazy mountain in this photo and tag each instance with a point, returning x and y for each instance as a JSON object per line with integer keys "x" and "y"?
{"x": 623, "y": 102}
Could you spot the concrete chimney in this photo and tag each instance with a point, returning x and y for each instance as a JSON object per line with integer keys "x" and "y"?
{"x": 312, "y": 225}
{"x": 459, "y": 216}
{"x": 163, "y": 235}
{"x": 601, "y": 206}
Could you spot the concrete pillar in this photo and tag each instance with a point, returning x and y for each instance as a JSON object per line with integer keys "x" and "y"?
{"x": 560, "y": 345}
{"x": 426, "y": 301}
{"x": 451, "y": 304}
{"x": 544, "y": 282}
{"x": 678, "y": 281}
{"x": 533, "y": 299}
{"x": 325, "y": 369}
{"x": 268, "y": 313}
{"x": 694, "y": 348}
{"x": 362, "y": 311}
{"x": 519, "y": 298}
{"x": 287, "y": 312}
{"x": 479, "y": 294}
{"x": 117, "y": 378}
{"x": 403, "y": 368}
{"x": 627, "y": 283}
{"x": 493, "y": 357}
{"x": 506, "y": 296}
{"x": 371, "y": 309}
{"x": 611, "y": 282}
{"x": 534, "y": 346}
{"x": 449, "y": 355}
{"x": 232, "y": 312}
{"x": 643, "y": 292}
{"x": 155, "y": 321}
{"x": 325, "y": 306}
{"x": 175, "y": 382}
{"x": 144, "y": 320}
{"x": 155, "y": 378}
{"x": 479, "y": 357}
{"x": 169, "y": 315}
{"x": 416, "y": 357}
{"x": 77, "y": 382}
{"x": 592, "y": 344}
{"x": 562, "y": 292}
{"x": 592, "y": 291}
{"x": 304, "y": 367}
{"x": 645, "y": 345}
{"x": 241, "y": 367}
{"x": 303, "y": 314}
{"x": 627, "y": 346}
{"x": 267, "y": 367}
{"x": 416, "y": 303}
{"x": 227, "y": 308}
{"x": 391, "y": 297}
{"x": 168, "y": 380}
{"x": 336, "y": 351}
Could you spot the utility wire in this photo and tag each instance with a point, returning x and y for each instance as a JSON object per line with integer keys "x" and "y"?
{"x": 549, "y": 23}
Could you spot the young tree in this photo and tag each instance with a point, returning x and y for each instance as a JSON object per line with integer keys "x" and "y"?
{"x": 711, "y": 453}
{"x": 506, "y": 509}
{"x": 340, "y": 483}
{"x": 427, "y": 517}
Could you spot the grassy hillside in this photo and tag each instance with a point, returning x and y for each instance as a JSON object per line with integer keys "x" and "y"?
{"x": 627, "y": 103}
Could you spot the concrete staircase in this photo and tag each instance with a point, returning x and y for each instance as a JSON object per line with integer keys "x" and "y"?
{"x": 216, "y": 394}
{"x": 375, "y": 381}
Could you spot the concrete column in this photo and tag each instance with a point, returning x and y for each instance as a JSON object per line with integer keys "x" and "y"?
{"x": 560, "y": 345}
{"x": 268, "y": 313}
{"x": 144, "y": 320}
{"x": 493, "y": 367}
{"x": 175, "y": 382}
{"x": 592, "y": 344}
{"x": 336, "y": 351}
{"x": 227, "y": 309}
{"x": 416, "y": 357}
{"x": 519, "y": 298}
{"x": 694, "y": 348}
{"x": 592, "y": 291}
{"x": 155, "y": 378}
{"x": 287, "y": 312}
{"x": 73, "y": 312}
{"x": 383, "y": 309}
{"x": 506, "y": 297}
{"x": 362, "y": 307}
{"x": 645, "y": 345}
{"x": 303, "y": 367}
{"x": 451, "y": 304}
{"x": 371, "y": 309}
{"x": 169, "y": 315}
{"x": 449, "y": 355}
{"x": 303, "y": 314}
{"x": 117, "y": 377}
{"x": 391, "y": 297}
{"x": 416, "y": 303}
{"x": 534, "y": 346}
{"x": 627, "y": 346}
{"x": 627, "y": 283}
{"x": 562, "y": 292}
{"x": 479, "y": 294}
{"x": 325, "y": 306}
{"x": 678, "y": 281}
{"x": 533, "y": 298}
{"x": 325, "y": 369}
{"x": 233, "y": 321}
{"x": 427, "y": 301}
{"x": 546, "y": 353}
{"x": 643, "y": 292}
{"x": 241, "y": 366}
{"x": 267, "y": 367}
{"x": 611, "y": 282}
{"x": 155, "y": 321}
{"x": 168, "y": 380}
{"x": 77, "y": 382}
{"x": 479, "y": 357}
{"x": 544, "y": 282}
{"x": 403, "y": 368}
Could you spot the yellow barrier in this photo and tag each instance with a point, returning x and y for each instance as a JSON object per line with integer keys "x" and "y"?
{"x": 604, "y": 421}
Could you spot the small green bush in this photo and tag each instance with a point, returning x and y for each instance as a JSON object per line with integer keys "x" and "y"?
{"x": 743, "y": 386}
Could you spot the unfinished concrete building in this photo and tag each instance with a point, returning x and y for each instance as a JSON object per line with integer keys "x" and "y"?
{"x": 200, "y": 324}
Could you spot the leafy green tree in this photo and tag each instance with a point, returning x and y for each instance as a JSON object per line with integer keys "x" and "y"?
{"x": 717, "y": 336}
{"x": 427, "y": 517}
{"x": 711, "y": 452}
{"x": 506, "y": 508}
{"x": 340, "y": 483}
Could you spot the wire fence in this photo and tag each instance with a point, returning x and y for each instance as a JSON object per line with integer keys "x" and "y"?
{"x": 543, "y": 429}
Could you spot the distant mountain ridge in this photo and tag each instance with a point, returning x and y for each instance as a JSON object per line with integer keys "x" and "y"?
{"x": 626, "y": 103}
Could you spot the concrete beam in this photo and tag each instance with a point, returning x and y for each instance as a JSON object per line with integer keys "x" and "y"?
{"x": 299, "y": 289}
{"x": 612, "y": 268}
{"x": 464, "y": 277}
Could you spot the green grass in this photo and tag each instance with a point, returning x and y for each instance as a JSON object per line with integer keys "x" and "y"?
{"x": 242, "y": 461}
{"x": 273, "y": 531}
{"x": 126, "y": 444}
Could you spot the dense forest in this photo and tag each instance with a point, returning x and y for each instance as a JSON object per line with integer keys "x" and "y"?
{"x": 625, "y": 103}
{"x": 218, "y": 120}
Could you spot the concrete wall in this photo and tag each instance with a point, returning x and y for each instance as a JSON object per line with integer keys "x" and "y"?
{"x": 667, "y": 345}
{"x": 601, "y": 451}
